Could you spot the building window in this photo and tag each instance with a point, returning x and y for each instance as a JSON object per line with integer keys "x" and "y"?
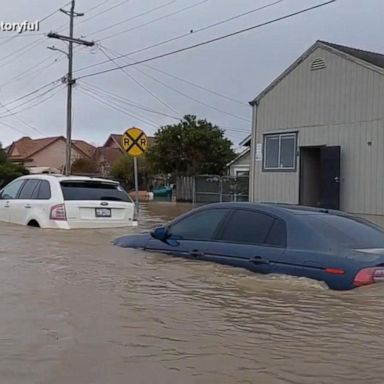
{"x": 280, "y": 152}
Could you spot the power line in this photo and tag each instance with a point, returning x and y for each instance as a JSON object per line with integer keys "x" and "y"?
{"x": 104, "y": 11}
{"x": 36, "y": 104}
{"x": 103, "y": 93}
{"x": 30, "y": 94}
{"x": 141, "y": 85}
{"x": 33, "y": 69}
{"x": 132, "y": 18}
{"x": 97, "y": 6}
{"x": 40, "y": 21}
{"x": 183, "y": 35}
{"x": 126, "y": 101}
{"x": 12, "y": 127}
{"x": 186, "y": 95}
{"x": 118, "y": 109}
{"x": 192, "y": 98}
{"x": 185, "y": 81}
{"x": 30, "y": 34}
{"x": 21, "y": 120}
{"x": 211, "y": 40}
{"x": 155, "y": 20}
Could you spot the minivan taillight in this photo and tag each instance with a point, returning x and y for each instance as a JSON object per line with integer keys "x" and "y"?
{"x": 368, "y": 276}
{"x": 58, "y": 212}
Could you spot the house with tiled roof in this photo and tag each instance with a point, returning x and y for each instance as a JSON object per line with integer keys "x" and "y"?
{"x": 318, "y": 132}
{"x": 110, "y": 152}
{"x": 46, "y": 152}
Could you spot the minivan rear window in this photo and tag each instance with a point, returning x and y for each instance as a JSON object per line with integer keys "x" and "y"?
{"x": 93, "y": 190}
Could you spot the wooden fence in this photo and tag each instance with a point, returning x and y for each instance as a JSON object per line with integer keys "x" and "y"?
{"x": 184, "y": 188}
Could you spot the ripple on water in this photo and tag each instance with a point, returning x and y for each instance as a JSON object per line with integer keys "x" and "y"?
{"x": 74, "y": 308}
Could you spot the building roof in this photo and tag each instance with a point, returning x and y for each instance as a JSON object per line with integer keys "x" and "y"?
{"x": 26, "y": 147}
{"x": 370, "y": 57}
{"x": 246, "y": 142}
{"x": 117, "y": 139}
{"x": 357, "y": 55}
{"x": 84, "y": 147}
{"x": 239, "y": 156}
{"x": 106, "y": 154}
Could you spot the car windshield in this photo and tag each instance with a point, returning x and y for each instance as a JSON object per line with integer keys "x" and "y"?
{"x": 349, "y": 232}
{"x": 93, "y": 190}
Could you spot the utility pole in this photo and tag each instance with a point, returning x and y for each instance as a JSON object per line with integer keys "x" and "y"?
{"x": 69, "y": 79}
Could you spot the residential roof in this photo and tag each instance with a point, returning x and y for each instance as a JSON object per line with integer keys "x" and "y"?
{"x": 368, "y": 56}
{"x": 239, "y": 156}
{"x": 25, "y": 147}
{"x": 85, "y": 147}
{"x": 107, "y": 154}
{"x": 117, "y": 139}
{"x": 373, "y": 58}
{"x": 246, "y": 142}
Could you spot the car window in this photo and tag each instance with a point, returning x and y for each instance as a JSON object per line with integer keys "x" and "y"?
{"x": 11, "y": 190}
{"x": 347, "y": 231}
{"x": 277, "y": 235}
{"x": 44, "y": 192}
{"x": 198, "y": 226}
{"x": 28, "y": 188}
{"x": 93, "y": 190}
{"x": 248, "y": 227}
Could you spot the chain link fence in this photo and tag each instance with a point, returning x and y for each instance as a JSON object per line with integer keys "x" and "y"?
{"x": 214, "y": 189}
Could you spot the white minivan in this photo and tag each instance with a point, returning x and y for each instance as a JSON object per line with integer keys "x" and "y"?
{"x": 66, "y": 202}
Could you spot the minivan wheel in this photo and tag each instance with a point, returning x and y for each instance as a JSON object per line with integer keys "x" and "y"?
{"x": 33, "y": 223}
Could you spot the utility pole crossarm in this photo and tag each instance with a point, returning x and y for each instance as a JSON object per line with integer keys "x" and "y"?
{"x": 54, "y": 35}
{"x": 70, "y": 81}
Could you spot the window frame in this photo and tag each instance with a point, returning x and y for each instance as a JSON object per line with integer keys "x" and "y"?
{"x": 42, "y": 181}
{"x": 227, "y": 219}
{"x": 37, "y": 186}
{"x": 227, "y": 214}
{"x": 8, "y": 185}
{"x": 279, "y": 136}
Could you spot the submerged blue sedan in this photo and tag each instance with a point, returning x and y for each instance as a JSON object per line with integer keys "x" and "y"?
{"x": 342, "y": 250}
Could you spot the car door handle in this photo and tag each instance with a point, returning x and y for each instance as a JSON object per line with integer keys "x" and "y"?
{"x": 27, "y": 206}
{"x": 196, "y": 253}
{"x": 258, "y": 260}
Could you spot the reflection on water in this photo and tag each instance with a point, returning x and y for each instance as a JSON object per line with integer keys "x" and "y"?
{"x": 75, "y": 309}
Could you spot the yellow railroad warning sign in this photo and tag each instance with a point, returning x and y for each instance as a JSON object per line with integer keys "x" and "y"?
{"x": 134, "y": 141}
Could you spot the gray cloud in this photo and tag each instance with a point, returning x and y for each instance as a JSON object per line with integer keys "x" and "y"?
{"x": 239, "y": 67}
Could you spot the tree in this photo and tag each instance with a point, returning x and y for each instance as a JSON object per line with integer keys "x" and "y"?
{"x": 123, "y": 170}
{"x": 190, "y": 147}
{"x": 9, "y": 171}
{"x": 82, "y": 165}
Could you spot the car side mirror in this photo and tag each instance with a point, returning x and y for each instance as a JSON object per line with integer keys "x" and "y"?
{"x": 160, "y": 233}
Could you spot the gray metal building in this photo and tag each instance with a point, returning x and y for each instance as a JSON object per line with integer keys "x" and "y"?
{"x": 318, "y": 132}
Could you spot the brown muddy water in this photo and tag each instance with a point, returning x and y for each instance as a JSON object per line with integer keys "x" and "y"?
{"x": 76, "y": 309}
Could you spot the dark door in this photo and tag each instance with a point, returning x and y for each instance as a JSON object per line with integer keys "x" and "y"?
{"x": 330, "y": 177}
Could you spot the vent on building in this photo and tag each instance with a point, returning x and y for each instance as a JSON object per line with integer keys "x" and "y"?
{"x": 318, "y": 63}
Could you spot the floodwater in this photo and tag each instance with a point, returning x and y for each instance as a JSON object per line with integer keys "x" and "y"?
{"x": 76, "y": 309}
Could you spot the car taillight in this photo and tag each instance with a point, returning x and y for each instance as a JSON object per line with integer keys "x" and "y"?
{"x": 58, "y": 212}
{"x": 369, "y": 276}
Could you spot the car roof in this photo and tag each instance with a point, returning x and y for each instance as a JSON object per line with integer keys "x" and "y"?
{"x": 278, "y": 208}
{"x": 60, "y": 178}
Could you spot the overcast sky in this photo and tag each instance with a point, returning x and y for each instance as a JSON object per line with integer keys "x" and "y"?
{"x": 238, "y": 67}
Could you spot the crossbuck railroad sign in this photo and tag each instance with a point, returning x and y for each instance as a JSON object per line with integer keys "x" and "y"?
{"x": 134, "y": 141}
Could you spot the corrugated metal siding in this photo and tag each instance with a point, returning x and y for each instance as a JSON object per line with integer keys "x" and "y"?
{"x": 340, "y": 105}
